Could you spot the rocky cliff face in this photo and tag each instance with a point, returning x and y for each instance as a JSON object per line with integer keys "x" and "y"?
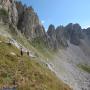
{"x": 10, "y": 7}
{"x": 87, "y": 32}
{"x": 52, "y": 36}
{"x": 73, "y": 33}
{"x": 60, "y": 35}
{"x": 27, "y": 21}
{"x": 57, "y": 36}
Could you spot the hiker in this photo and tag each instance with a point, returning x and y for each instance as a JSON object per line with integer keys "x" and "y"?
{"x": 14, "y": 82}
{"x": 21, "y": 52}
{"x": 28, "y": 53}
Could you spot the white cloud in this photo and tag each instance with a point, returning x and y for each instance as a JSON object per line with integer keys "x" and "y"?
{"x": 42, "y": 21}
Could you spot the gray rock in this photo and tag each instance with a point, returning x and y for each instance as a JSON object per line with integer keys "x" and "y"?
{"x": 60, "y": 35}
{"x": 57, "y": 37}
{"x": 52, "y": 36}
{"x": 10, "y": 7}
{"x": 73, "y": 33}
{"x": 28, "y": 21}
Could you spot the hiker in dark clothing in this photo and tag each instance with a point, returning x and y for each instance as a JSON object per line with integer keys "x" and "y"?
{"x": 21, "y": 52}
{"x": 28, "y": 53}
{"x": 14, "y": 82}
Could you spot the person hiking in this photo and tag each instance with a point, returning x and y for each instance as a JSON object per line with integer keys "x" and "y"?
{"x": 21, "y": 52}
{"x": 28, "y": 53}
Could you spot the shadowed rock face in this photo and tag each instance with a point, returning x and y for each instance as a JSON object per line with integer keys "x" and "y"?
{"x": 10, "y": 7}
{"x": 74, "y": 39}
{"x": 87, "y": 32}
{"x": 76, "y": 34}
{"x": 73, "y": 33}
{"x": 57, "y": 36}
{"x": 52, "y": 36}
{"x": 68, "y": 30}
{"x": 51, "y": 31}
{"x": 60, "y": 35}
{"x": 29, "y": 23}
{"x": 20, "y": 9}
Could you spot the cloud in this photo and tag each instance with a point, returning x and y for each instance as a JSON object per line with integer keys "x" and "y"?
{"x": 43, "y": 21}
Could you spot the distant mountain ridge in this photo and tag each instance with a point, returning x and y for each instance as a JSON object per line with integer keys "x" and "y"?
{"x": 27, "y": 21}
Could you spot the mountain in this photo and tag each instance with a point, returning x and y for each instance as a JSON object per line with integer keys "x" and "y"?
{"x": 9, "y": 7}
{"x": 62, "y": 52}
{"x": 24, "y": 72}
{"x": 27, "y": 21}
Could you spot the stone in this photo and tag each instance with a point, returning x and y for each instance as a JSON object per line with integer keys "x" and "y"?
{"x": 10, "y": 7}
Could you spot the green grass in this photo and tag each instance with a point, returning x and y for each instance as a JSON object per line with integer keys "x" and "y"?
{"x": 37, "y": 45}
{"x": 28, "y": 74}
{"x": 41, "y": 46}
{"x": 84, "y": 67}
{"x": 3, "y": 12}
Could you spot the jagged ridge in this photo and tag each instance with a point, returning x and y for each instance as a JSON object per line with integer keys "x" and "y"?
{"x": 27, "y": 21}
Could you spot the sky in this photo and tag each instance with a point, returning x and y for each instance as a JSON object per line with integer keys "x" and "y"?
{"x": 61, "y": 12}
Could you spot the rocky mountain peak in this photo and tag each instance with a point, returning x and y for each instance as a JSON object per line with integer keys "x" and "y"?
{"x": 28, "y": 20}
{"x": 51, "y": 27}
{"x": 28, "y": 23}
{"x": 51, "y": 30}
{"x": 76, "y": 27}
{"x": 60, "y": 35}
{"x": 73, "y": 33}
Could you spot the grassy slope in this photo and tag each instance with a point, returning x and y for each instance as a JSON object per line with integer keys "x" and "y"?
{"x": 37, "y": 46}
{"x": 84, "y": 67}
{"x": 28, "y": 74}
{"x": 41, "y": 46}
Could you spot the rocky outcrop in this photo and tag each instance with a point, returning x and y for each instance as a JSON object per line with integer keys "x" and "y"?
{"x": 57, "y": 36}
{"x": 73, "y": 33}
{"x": 20, "y": 9}
{"x": 87, "y": 32}
{"x": 28, "y": 22}
{"x": 51, "y": 31}
{"x": 74, "y": 38}
{"x": 52, "y": 36}
{"x": 10, "y": 7}
{"x": 60, "y": 35}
